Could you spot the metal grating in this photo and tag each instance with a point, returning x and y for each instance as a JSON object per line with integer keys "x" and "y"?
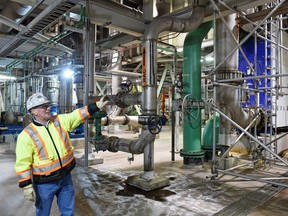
{"x": 251, "y": 201}
{"x": 21, "y": 38}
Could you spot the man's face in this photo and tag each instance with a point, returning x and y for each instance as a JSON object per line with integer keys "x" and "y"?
{"x": 42, "y": 112}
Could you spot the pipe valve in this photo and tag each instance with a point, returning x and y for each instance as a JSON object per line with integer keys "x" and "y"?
{"x": 153, "y": 122}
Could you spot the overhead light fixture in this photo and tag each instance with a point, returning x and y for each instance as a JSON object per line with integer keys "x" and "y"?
{"x": 68, "y": 73}
{"x": 5, "y": 77}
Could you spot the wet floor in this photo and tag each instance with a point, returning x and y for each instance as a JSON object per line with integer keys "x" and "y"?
{"x": 101, "y": 189}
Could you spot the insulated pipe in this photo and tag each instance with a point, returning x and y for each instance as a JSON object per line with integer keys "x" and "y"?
{"x": 227, "y": 98}
{"x": 124, "y": 120}
{"x": 91, "y": 62}
{"x": 149, "y": 69}
{"x": 134, "y": 146}
{"x": 149, "y": 80}
{"x": 124, "y": 99}
{"x": 225, "y": 43}
{"x": 132, "y": 99}
{"x": 176, "y": 24}
{"x": 115, "y": 7}
{"x": 192, "y": 152}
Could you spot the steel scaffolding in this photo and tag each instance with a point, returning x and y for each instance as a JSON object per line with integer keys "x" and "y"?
{"x": 270, "y": 30}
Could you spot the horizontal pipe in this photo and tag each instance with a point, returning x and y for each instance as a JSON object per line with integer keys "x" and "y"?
{"x": 124, "y": 120}
{"x": 134, "y": 146}
{"x": 115, "y": 7}
{"x": 132, "y": 99}
{"x": 122, "y": 72}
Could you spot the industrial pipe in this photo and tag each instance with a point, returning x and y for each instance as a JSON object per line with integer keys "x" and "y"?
{"x": 227, "y": 98}
{"x": 145, "y": 143}
{"x": 192, "y": 152}
{"x": 124, "y": 120}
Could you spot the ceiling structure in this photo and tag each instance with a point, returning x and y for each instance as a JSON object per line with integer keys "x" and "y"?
{"x": 36, "y": 33}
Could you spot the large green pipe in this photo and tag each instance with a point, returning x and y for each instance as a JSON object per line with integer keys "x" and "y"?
{"x": 208, "y": 132}
{"x": 192, "y": 152}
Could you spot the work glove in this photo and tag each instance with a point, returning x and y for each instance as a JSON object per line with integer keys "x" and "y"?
{"x": 102, "y": 102}
{"x": 29, "y": 193}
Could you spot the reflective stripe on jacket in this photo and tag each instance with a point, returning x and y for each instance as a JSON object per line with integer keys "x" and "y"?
{"x": 35, "y": 150}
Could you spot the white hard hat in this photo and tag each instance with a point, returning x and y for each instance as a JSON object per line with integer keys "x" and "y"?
{"x": 35, "y": 100}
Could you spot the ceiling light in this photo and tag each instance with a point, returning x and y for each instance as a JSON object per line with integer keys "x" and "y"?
{"x": 68, "y": 73}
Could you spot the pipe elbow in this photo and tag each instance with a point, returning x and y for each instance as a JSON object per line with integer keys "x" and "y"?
{"x": 144, "y": 139}
{"x": 131, "y": 146}
{"x": 176, "y": 24}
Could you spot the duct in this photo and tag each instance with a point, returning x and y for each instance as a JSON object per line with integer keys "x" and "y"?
{"x": 227, "y": 98}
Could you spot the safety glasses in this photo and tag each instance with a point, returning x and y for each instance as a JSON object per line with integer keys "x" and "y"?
{"x": 44, "y": 106}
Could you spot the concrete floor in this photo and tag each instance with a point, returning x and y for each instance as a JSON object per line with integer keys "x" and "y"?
{"x": 101, "y": 189}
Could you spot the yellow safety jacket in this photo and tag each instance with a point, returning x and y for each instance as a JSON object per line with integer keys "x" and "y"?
{"x": 46, "y": 153}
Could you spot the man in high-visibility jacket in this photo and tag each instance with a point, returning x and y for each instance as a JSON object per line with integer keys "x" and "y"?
{"x": 44, "y": 154}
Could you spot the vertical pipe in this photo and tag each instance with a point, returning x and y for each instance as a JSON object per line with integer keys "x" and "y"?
{"x": 173, "y": 128}
{"x": 192, "y": 152}
{"x": 86, "y": 80}
{"x": 256, "y": 82}
{"x": 92, "y": 41}
{"x": 213, "y": 168}
{"x": 225, "y": 45}
{"x": 149, "y": 81}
